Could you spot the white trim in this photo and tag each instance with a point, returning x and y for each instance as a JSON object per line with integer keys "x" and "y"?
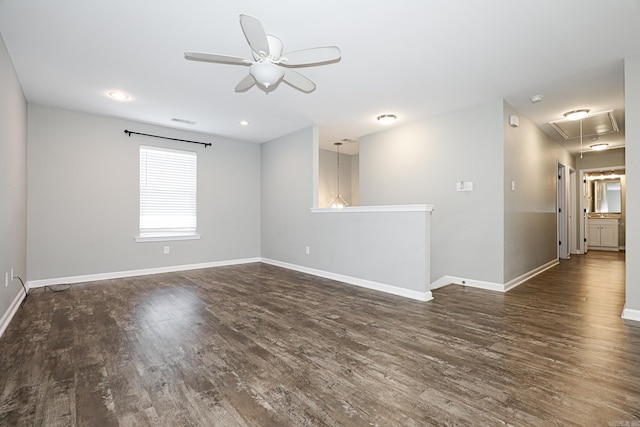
{"x": 491, "y": 286}
{"x": 8, "y": 315}
{"x": 604, "y": 248}
{"x": 133, "y": 273}
{"x": 526, "y": 276}
{"x": 449, "y": 280}
{"x": 376, "y": 286}
{"x": 368, "y": 209}
{"x": 631, "y": 314}
{"x": 166, "y": 238}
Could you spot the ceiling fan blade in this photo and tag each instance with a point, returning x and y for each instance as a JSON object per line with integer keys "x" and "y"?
{"x": 310, "y": 57}
{"x": 245, "y": 84}
{"x": 298, "y": 81}
{"x": 254, "y": 33}
{"x": 212, "y": 57}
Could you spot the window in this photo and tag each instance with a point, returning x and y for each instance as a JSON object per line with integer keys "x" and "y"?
{"x": 168, "y": 199}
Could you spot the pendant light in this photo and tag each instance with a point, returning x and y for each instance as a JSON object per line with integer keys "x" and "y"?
{"x": 338, "y": 202}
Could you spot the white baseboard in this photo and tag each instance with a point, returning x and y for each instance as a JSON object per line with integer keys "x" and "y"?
{"x": 480, "y": 284}
{"x": 382, "y": 287}
{"x": 11, "y": 311}
{"x": 491, "y": 286}
{"x": 524, "y": 277}
{"x": 134, "y": 273}
{"x": 631, "y": 314}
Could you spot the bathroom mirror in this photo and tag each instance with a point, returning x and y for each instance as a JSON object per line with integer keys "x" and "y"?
{"x": 605, "y": 196}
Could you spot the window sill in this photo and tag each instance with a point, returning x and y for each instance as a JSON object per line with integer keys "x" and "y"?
{"x": 165, "y": 237}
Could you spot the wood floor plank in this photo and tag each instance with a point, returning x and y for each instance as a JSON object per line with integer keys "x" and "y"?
{"x": 259, "y": 345}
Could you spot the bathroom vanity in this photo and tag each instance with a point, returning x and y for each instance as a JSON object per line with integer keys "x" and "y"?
{"x": 602, "y": 232}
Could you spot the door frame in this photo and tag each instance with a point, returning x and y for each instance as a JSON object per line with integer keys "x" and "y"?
{"x": 561, "y": 212}
{"x": 583, "y": 246}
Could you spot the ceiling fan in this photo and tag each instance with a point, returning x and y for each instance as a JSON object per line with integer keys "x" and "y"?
{"x": 269, "y": 65}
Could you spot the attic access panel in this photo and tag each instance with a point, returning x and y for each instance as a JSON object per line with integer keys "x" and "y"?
{"x": 594, "y": 124}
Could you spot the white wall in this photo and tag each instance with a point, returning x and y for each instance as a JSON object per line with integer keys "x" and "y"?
{"x": 13, "y": 186}
{"x": 632, "y": 133}
{"x": 421, "y": 162}
{"x": 83, "y": 197}
{"x": 530, "y": 221}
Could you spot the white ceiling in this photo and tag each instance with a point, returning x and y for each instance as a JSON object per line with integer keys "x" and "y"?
{"x": 413, "y": 58}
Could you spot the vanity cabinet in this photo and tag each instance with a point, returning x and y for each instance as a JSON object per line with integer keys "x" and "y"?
{"x": 602, "y": 233}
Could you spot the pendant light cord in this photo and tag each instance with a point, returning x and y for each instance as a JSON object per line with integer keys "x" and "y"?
{"x": 338, "y": 156}
{"x": 580, "y": 138}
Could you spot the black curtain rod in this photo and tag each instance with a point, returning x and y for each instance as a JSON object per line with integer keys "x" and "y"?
{"x": 128, "y": 132}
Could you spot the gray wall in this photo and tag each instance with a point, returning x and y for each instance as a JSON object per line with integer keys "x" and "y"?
{"x": 632, "y": 131}
{"x": 530, "y": 222}
{"x": 83, "y": 197}
{"x": 355, "y": 180}
{"x": 287, "y": 195}
{"x": 13, "y": 181}
{"x": 421, "y": 162}
{"x": 385, "y": 248}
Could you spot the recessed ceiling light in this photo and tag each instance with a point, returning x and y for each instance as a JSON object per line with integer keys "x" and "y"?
{"x": 536, "y": 98}
{"x": 244, "y": 123}
{"x": 599, "y": 147}
{"x": 119, "y": 96}
{"x": 185, "y": 121}
{"x": 576, "y": 114}
{"x": 387, "y": 119}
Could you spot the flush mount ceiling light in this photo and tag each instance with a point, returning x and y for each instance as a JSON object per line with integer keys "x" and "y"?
{"x": 387, "y": 119}
{"x": 599, "y": 147}
{"x": 536, "y": 98}
{"x": 119, "y": 96}
{"x": 244, "y": 123}
{"x": 576, "y": 114}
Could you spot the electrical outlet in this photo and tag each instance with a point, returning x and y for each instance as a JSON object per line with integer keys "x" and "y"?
{"x": 306, "y": 250}
{"x": 166, "y": 250}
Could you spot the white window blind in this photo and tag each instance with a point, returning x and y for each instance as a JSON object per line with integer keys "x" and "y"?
{"x": 168, "y": 199}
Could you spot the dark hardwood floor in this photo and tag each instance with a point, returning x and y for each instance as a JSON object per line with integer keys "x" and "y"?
{"x": 263, "y": 346}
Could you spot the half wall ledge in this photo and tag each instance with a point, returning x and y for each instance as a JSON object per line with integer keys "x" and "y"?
{"x": 365, "y": 209}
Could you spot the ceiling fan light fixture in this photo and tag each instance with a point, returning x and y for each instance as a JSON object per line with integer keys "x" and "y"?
{"x": 599, "y": 147}
{"x": 266, "y": 73}
{"x": 576, "y": 114}
{"x": 387, "y": 119}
